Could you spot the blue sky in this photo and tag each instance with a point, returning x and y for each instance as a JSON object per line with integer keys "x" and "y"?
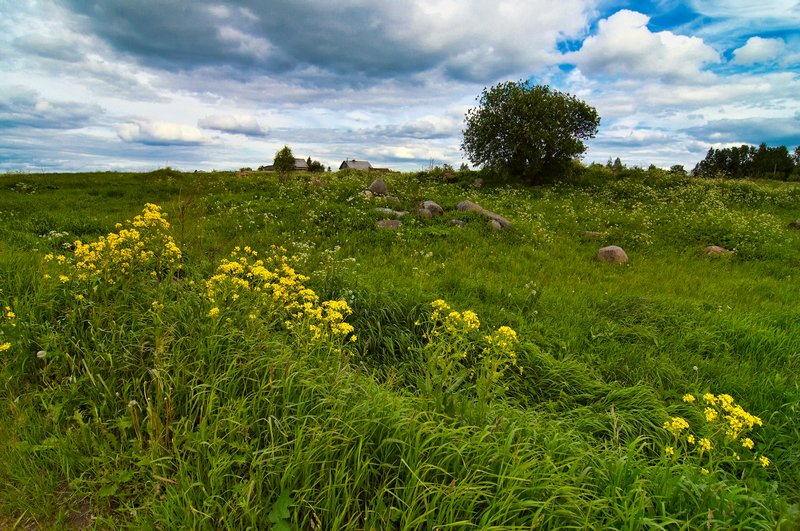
{"x": 214, "y": 84}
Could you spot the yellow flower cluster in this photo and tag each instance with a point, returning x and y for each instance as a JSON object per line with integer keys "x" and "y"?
{"x": 273, "y": 288}
{"x": 9, "y": 316}
{"x": 676, "y": 425}
{"x": 725, "y": 422}
{"x": 452, "y": 336}
{"x": 143, "y": 243}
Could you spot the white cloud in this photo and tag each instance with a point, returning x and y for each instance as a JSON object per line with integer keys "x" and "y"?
{"x": 759, "y": 50}
{"x": 624, "y": 46}
{"x": 235, "y": 124}
{"x": 160, "y": 134}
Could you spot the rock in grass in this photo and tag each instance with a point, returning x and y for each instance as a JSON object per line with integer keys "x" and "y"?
{"x": 390, "y": 212}
{"x": 389, "y": 224}
{"x": 612, "y": 254}
{"x": 795, "y": 224}
{"x": 495, "y": 225}
{"x": 716, "y": 250}
{"x": 431, "y": 207}
{"x": 469, "y": 206}
{"x": 378, "y": 187}
{"x": 590, "y": 235}
{"x": 457, "y": 222}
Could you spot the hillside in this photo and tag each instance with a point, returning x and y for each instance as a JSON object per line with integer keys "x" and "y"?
{"x": 249, "y": 352}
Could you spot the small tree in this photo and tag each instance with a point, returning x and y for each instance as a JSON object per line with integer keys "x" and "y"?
{"x": 527, "y": 130}
{"x": 284, "y": 162}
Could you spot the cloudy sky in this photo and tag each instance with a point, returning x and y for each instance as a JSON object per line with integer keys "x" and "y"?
{"x": 217, "y": 84}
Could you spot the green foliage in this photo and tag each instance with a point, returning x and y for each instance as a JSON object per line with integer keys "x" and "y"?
{"x": 283, "y": 162}
{"x": 201, "y": 396}
{"x": 530, "y": 132}
{"x": 747, "y": 161}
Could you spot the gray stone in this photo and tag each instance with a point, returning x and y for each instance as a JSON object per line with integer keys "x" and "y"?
{"x": 389, "y": 212}
{"x": 389, "y": 224}
{"x": 590, "y": 235}
{"x": 716, "y": 250}
{"x": 432, "y": 207}
{"x": 612, "y": 254}
{"x": 424, "y": 213}
{"x": 478, "y": 182}
{"x": 469, "y": 206}
{"x": 795, "y": 224}
{"x": 457, "y": 222}
{"x": 378, "y": 187}
{"x": 495, "y": 225}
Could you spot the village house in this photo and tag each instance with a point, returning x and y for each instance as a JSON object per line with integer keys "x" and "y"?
{"x": 299, "y": 165}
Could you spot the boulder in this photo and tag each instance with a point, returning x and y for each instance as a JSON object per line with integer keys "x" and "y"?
{"x": 389, "y": 212}
{"x": 612, "y": 254}
{"x": 469, "y": 206}
{"x": 378, "y": 187}
{"x": 478, "y": 182}
{"x": 795, "y": 224}
{"x": 716, "y": 250}
{"x": 389, "y": 224}
{"x": 457, "y": 222}
{"x": 424, "y": 213}
{"x": 495, "y": 225}
{"x": 432, "y": 207}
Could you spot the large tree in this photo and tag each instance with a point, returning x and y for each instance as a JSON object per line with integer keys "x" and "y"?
{"x": 284, "y": 162}
{"x": 526, "y": 130}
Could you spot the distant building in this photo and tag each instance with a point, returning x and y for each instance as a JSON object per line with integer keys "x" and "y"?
{"x": 299, "y": 165}
{"x": 355, "y": 165}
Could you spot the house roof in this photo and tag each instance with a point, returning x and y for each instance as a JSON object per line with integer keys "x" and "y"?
{"x": 355, "y": 165}
{"x": 300, "y": 164}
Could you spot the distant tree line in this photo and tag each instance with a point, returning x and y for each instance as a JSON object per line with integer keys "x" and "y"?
{"x": 749, "y": 161}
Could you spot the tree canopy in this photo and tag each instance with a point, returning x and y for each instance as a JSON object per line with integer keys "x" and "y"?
{"x": 283, "y": 162}
{"x": 748, "y": 161}
{"x": 528, "y": 131}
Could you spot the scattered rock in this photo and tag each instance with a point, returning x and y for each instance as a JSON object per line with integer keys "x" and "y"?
{"x": 424, "y": 213}
{"x": 495, "y": 225}
{"x": 457, "y": 222}
{"x": 795, "y": 224}
{"x": 478, "y": 182}
{"x": 378, "y": 187}
{"x": 367, "y": 194}
{"x": 590, "y": 235}
{"x": 716, "y": 250}
{"x": 389, "y": 212}
{"x": 389, "y": 224}
{"x": 431, "y": 207}
{"x": 469, "y": 206}
{"x": 612, "y": 254}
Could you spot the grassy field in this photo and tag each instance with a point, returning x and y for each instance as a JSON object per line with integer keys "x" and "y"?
{"x": 228, "y": 351}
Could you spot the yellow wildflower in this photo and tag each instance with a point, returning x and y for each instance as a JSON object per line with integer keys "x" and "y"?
{"x": 213, "y": 312}
{"x": 748, "y": 443}
{"x": 676, "y": 425}
{"x": 670, "y": 451}
{"x": 688, "y": 398}
{"x": 63, "y": 279}
{"x": 690, "y": 439}
{"x": 764, "y": 460}
{"x": 5, "y": 346}
{"x": 704, "y": 471}
{"x": 705, "y": 444}
{"x": 710, "y": 398}
{"x": 711, "y": 414}
{"x": 10, "y": 314}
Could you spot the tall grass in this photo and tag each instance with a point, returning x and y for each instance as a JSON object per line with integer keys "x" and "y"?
{"x": 154, "y": 401}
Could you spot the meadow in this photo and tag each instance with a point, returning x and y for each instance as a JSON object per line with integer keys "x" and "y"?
{"x": 229, "y": 351}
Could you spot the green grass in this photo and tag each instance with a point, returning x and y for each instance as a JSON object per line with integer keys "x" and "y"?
{"x": 159, "y": 416}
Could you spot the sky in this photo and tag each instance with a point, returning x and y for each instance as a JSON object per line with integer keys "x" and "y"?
{"x": 119, "y": 85}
